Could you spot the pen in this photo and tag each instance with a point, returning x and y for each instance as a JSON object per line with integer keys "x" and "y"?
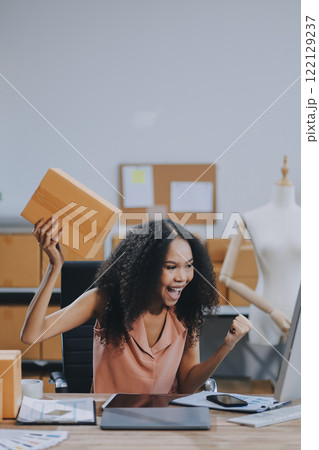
{"x": 278, "y": 405}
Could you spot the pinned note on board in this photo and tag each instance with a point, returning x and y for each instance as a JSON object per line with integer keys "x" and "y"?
{"x": 138, "y": 176}
{"x": 138, "y": 186}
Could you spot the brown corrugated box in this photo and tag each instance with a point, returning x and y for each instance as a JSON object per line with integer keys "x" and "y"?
{"x": 221, "y": 288}
{"x": 1, "y": 397}
{"x": 19, "y": 261}
{"x": 115, "y": 241}
{"x": 86, "y": 216}
{"x": 236, "y": 299}
{"x": 246, "y": 265}
{"x": 217, "y": 248}
{"x": 245, "y": 269}
{"x": 10, "y": 372}
{"x": 11, "y": 322}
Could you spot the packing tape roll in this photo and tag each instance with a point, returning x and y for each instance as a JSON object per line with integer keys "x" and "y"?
{"x": 32, "y": 388}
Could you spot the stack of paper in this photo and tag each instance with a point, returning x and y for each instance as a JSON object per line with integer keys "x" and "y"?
{"x": 75, "y": 410}
{"x": 26, "y": 439}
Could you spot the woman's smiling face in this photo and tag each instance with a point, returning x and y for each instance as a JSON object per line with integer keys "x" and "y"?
{"x": 177, "y": 272}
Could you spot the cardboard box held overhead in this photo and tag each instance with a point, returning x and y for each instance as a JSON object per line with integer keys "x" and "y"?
{"x": 85, "y": 216}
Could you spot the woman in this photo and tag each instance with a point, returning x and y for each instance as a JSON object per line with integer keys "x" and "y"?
{"x": 148, "y": 303}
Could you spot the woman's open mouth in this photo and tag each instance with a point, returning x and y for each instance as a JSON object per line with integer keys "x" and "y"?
{"x": 175, "y": 292}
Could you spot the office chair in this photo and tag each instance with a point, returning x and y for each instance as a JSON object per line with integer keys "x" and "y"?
{"x": 77, "y": 344}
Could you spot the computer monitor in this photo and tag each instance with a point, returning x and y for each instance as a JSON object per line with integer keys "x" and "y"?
{"x": 288, "y": 386}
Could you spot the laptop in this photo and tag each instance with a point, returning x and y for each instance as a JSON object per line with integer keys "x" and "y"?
{"x": 173, "y": 418}
{"x": 288, "y": 385}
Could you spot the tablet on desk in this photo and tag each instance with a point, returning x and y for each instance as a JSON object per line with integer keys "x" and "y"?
{"x": 137, "y": 401}
{"x": 174, "y": 418}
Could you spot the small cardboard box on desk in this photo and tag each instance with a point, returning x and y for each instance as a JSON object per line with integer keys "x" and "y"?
{"x": 10, "y": 372}
{"x": 85, "y": 216}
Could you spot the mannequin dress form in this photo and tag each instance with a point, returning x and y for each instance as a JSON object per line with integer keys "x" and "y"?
{"x": 276, "y": 234}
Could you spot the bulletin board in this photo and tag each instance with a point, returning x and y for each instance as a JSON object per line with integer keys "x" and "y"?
{"x": 165, "y": 185}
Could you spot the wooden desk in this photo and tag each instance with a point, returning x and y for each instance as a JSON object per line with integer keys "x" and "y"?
{"x": 222, "y": 434}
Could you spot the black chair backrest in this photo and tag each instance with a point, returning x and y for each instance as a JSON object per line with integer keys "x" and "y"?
{"x": 77, "y": 344}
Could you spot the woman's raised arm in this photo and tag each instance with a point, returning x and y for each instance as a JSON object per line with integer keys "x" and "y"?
{"x": 192, "y": 374}
{"x": 37, "y": 326}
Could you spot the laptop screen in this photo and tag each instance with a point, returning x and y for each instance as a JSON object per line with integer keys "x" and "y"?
{"x": 288, "y": 386}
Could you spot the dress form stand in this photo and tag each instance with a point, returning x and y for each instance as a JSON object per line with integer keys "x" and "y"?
{"x": 276, "y": 234}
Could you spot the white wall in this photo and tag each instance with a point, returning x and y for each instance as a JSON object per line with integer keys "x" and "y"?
{"x": 155, "y": 81}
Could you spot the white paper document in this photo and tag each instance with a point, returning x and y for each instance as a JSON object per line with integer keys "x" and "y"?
{"x": 189, "y": 197}
{"x": 80, "y": 410}
{"x": 138, "y": 186}
{"x": 255, "y": 404}
{"x": 30, "y": 439}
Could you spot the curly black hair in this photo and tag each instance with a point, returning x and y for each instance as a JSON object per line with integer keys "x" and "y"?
{"x": 129, "y": 276}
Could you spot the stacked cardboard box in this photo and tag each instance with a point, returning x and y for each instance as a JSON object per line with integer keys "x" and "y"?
{"x": 19, "y": 260}
{"x": 245, "y": 272}
{"x": 217, "y": 249}
{"x": 10, "y": 372}
{"x": 245, "y": 269}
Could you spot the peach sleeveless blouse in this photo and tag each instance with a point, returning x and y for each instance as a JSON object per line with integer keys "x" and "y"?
{"x": 139, "y": 368}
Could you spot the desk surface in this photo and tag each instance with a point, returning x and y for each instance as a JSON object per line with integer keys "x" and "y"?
{"x": 222, "y": 434}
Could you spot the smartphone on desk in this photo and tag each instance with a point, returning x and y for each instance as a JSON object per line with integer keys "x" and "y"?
{"x": 226, "y": 400}
{"x": 137, "y": 401}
